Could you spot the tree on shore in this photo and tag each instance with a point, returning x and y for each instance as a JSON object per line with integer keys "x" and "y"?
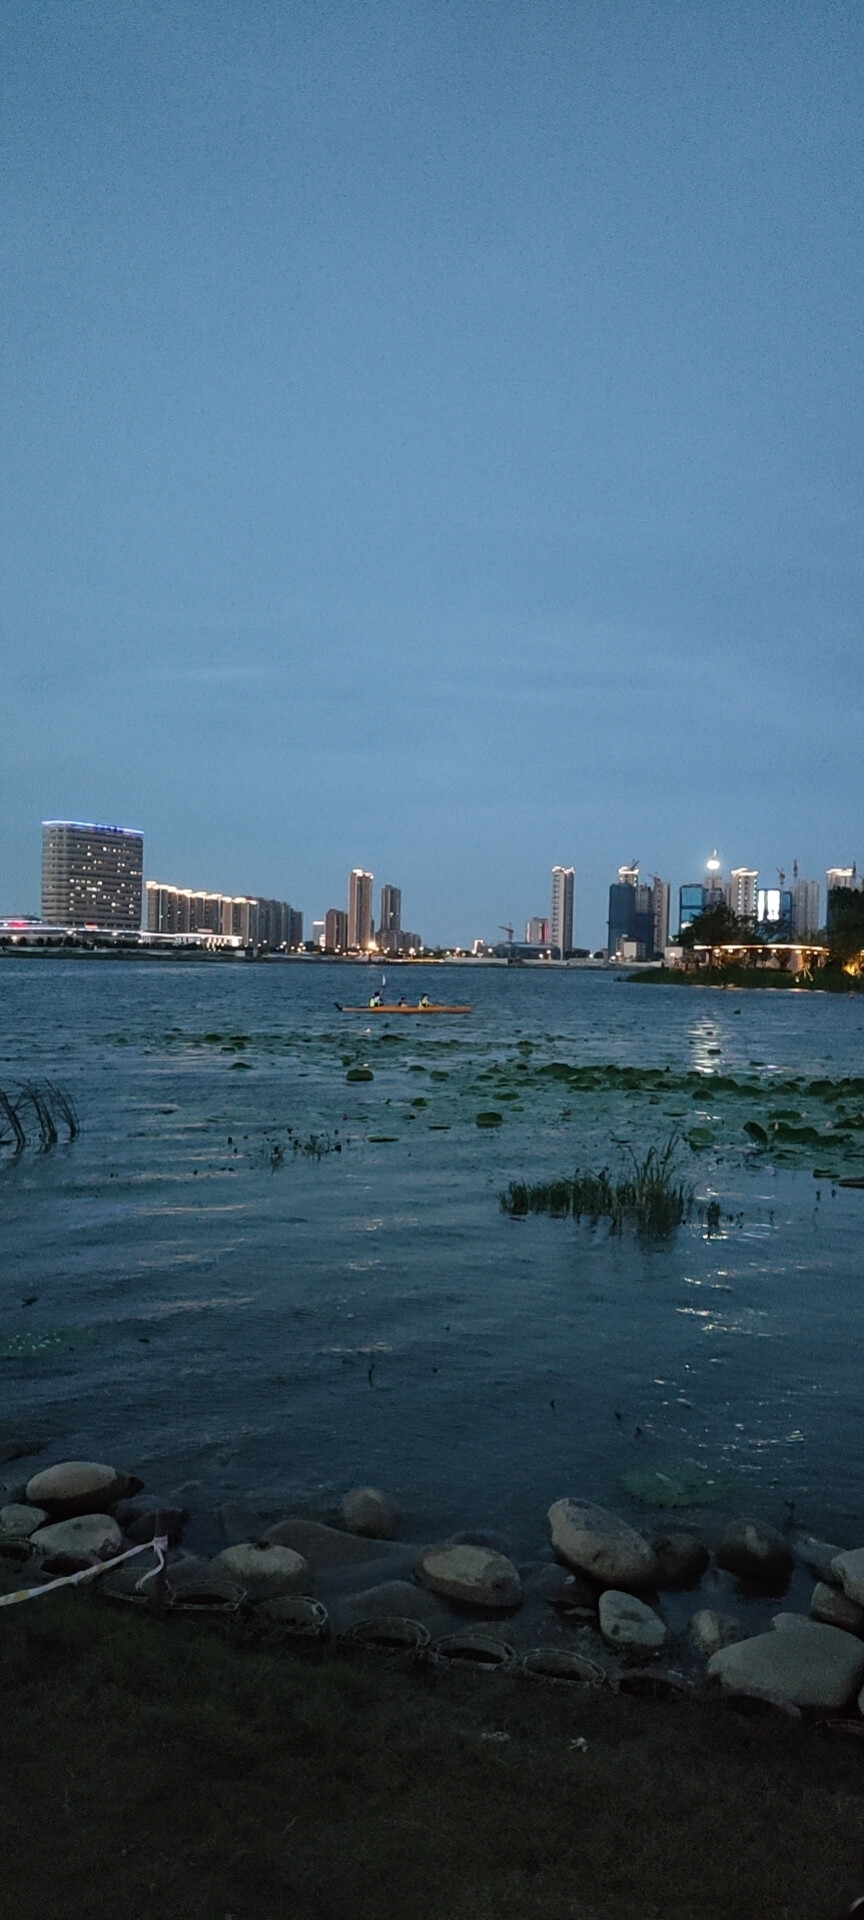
{"x": 717, "y": 926}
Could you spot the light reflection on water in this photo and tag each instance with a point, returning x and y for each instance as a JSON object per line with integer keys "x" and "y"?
{"x": 479, "y": 1366}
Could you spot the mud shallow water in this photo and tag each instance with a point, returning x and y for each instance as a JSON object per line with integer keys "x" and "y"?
{"x": 210, "y": 1305}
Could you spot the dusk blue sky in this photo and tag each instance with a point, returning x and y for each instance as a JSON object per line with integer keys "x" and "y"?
{"x": 432, "y": 441}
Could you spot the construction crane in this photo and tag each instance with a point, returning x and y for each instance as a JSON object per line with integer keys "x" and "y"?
{"x": 507, "y": 930}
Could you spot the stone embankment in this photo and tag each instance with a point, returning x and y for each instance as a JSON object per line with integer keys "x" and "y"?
{"x": 600, "y": 1602}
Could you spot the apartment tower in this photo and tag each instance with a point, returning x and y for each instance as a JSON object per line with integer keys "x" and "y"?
{"x": 561, "y": 917}
{"x": 92, "y": 876}
{"x": 360, "y": 910}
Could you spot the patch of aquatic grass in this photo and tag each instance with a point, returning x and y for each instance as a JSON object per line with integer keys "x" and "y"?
{"x": 651, "y": 1196}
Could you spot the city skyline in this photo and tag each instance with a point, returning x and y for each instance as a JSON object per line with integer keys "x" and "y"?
{"x": 79, "y": 859}
{"x": 443, "y": 423}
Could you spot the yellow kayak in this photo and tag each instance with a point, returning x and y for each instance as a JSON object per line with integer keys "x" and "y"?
{"x": 402, "y": 1007}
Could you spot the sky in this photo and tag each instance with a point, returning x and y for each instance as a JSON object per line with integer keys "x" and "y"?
{"x": 432, "y": 442}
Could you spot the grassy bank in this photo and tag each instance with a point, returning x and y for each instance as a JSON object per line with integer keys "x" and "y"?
{"x": 160, "y": 1768}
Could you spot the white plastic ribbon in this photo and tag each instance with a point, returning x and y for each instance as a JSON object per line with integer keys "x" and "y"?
{"x": 158, "y": 1546}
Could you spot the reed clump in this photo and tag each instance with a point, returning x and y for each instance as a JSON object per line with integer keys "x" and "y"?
{"x": 650, "y": 1196}
{"x": 45, "y": 1108}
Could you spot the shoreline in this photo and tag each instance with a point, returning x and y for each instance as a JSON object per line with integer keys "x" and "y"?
{"x": 743, "y": 979}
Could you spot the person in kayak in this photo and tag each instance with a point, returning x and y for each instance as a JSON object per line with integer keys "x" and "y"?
{"x": 375, "y": 1000}
{"x": 423, "y": 1000}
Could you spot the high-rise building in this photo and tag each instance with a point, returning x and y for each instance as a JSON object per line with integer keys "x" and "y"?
{"x": 631, "y": 913}
{"x": 335, "y": 930}
{"x": 536, "y": 931}
{"x": 741, "y": 892}
{"x": 561, "y": 917}
{"x": 805, "y": 908}
{"x": 91, "y": 875}
{"x": 660, "y": 915}
{"x": 691, "y": 902}
{"x": 391, "y": 910}
{"x": 258, "y": 923}
{"x": 774, "y": 912}
{"x": 842, "y": 877}
{"x": 360, "y": 910}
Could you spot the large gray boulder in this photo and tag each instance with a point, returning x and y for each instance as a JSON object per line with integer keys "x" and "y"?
{"x": 327, "y": 1549}
{"x": 848, "y": 1568}
{"x": 472, "y": 1576}
{"x": 682, "y": 1558}
{"x": 79, "y": 1486}
{"x": 266, "y": 1571}
{"x": 832, "y": 1606}
{"x": 368, "y": 1511}
{"x": 757, "y": 1553}
{"x": 710, "y": 1630}
{"x": 817, "y": 1556}
{"x": 18, "y": 1522}
{"x": 86, "y": 1535}
{"x": 598, "y": 1544}
{"x": 400, "y": 1599}
{"x": 800, "y": 1661}
{"x": 628, "y": 1625}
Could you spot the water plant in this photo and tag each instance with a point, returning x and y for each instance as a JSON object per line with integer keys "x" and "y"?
{"x": 49, "y": 1106}
{"x": 651, "y": 1196}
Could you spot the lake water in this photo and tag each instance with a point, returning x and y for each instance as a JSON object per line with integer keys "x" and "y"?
{"x": 184, "y": 1293}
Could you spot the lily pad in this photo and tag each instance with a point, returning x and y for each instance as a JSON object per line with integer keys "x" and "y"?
{"x": 489, "y": 1119}
{"x": 756, "y": 1133}
{"x": 680, "y": 1487}
{"x": 359, "y": 1073}
{"x": 699, "y": 1137}
{"x": 38, "y": 1346}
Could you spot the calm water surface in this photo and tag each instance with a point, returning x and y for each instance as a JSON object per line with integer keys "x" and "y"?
{"x": 184, "y": 1293}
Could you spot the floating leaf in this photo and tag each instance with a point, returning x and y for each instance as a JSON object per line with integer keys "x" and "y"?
{"x": 681, "y": 1487}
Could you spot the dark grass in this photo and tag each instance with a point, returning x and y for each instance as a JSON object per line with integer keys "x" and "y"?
{"x": 652, "y": 1197}
{"x": 157, "y": 1768}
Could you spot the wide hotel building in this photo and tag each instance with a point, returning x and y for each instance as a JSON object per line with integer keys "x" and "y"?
{"x": 92, "y": 876}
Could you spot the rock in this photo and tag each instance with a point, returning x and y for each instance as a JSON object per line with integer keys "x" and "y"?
{"x": 239, "y": 1522}
{"x": 626, "y": 1623}
{"x": 848, "y": 1568}
{"x": 147, "y": 1522}
{"x": 817, "y": 1556}
{"x": 86, "y": 1536}
{"x": 681, "y": 1558}
{"x": 326, "y": 1548}
{"x": 472, "y": 1576}
{"x": 399, "y": 1599}
{"x": 17, "y": 1445}
{"x": 265, "y": 1570}
{"x": 757, "y": 1553}
{"x": 367, "y": 1511}
{"x": 18, "y": 1522}
{"x": 79, "y": 1486}
{"x": 496, "y": 1542}
{"x": 600, "y": 1545}
{"x": 566, "y": 1591}
{"x": 799, "y": 1661}
{"x": 710, "y": 1630}
{"x": 834, "y": 1608}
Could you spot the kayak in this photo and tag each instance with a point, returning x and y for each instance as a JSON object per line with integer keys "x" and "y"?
{"x": 404, "y": 1009}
